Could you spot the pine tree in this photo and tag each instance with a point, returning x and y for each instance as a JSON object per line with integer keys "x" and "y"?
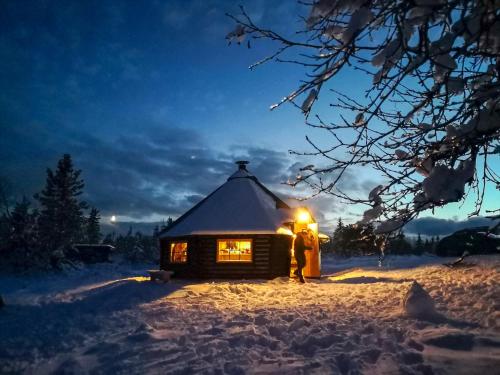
{"x": 61, "y": 217}
{"x": 337, "y": 238}
{"x": 110, "y": 239}
{"x": 427, "y": 245}
{"x": 419, "y": 245}
{"x": 22, "y": 225}
{"x": 93, "y": 227}
{"x": 399, "y": 245}
{"x": 166, "y": 224}
{"x": 340, "y": 225}
{"x": 432, "y": 243}
{"x": 6, "y": 197}
{"x": 353, "y": 240}
{"x": 20, "y": 240}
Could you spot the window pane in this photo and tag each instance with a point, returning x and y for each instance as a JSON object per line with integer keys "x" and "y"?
{"x": 178, "y": 252}
{"x": 234, "y": 250}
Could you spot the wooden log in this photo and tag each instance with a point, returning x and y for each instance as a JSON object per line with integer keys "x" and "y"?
{"x": 160, "y": 275}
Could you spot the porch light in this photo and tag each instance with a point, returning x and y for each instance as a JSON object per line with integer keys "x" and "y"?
{"x": 303, "y": 216}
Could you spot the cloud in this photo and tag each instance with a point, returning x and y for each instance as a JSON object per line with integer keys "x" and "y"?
{"x": 162, "y": 171}
{"x": 158, "y": 172}
{"x": 432, "y": 226}
{"x": 96, "y": 90}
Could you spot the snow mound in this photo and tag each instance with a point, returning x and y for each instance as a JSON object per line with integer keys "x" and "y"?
{"x": 417, "y": 303}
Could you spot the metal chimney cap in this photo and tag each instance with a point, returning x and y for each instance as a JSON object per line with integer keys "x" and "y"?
{"x": 242, "y": 164}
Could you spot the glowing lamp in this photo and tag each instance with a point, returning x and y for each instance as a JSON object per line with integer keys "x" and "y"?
{"x": 303, "y": 216}
{"x": 113, "y": 219}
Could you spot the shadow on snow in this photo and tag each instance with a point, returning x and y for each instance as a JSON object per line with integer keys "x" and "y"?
{"x": 57, "y": 325}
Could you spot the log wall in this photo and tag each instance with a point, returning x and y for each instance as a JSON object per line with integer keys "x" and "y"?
{"x": 270, "y": 257}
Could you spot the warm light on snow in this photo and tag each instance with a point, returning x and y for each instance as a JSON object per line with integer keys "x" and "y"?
{"x": 357, "y": 318}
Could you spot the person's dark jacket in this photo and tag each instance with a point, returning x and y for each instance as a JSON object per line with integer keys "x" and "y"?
{"x": 300, "y": 248}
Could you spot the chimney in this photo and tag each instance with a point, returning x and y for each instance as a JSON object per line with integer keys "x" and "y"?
{"x": 242, "y": 165}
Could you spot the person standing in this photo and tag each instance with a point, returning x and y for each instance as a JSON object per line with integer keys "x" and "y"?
{"x": 300, "y": 247}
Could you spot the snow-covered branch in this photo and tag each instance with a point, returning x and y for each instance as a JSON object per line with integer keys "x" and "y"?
{"x": 430, "y": 121}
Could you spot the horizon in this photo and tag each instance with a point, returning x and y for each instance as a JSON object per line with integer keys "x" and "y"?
{"x": 425, "y": 226}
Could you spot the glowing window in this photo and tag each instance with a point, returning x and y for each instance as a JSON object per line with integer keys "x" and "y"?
{"x": 234, "y": 251}
{"x": 178, "y": 252}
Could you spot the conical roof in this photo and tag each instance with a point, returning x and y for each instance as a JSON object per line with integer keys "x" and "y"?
{"x": 242, "y": 205}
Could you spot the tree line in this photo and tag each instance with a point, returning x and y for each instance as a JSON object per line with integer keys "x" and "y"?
{"x": 42, "y": 235}
{"x": 357, "y": 240}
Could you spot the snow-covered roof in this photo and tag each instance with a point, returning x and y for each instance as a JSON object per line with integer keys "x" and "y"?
{"x": 242, "y": 205}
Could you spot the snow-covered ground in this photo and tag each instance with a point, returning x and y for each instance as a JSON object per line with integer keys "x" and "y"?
{"x": 110, "y": 319}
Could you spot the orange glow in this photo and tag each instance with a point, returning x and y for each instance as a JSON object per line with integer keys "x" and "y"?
{"x": 286, "y": 231}
{"x": 234, "y": 250}
{"x": 178, "y": 252}
{"x": 303, "y": 216}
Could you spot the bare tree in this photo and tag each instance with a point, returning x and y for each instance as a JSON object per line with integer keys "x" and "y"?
{"x": 429, "y": 124}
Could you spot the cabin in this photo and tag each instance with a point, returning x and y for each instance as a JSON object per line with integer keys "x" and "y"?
{"x": 241, "y": 230}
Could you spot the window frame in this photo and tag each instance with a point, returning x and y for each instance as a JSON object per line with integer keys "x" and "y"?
{"x": 170, "y": 252}
{"x": 228, "y": 261}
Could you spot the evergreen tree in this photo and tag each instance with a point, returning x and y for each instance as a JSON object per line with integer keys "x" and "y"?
{"x": 5, "y": 212}
{"x": 419, "y": 245}
{"x": 61, "y": 217}
{"x": 137, "y": 247}
{"x": 337, "y": 242}
{"x": 6, "y": 197}
{"x": 20, "y": 242}
{"x": 399, "y": 245}
{"x": 110, "y": 239}
{"x": 340, "y": 225}
{"x": 93, "y": 227}
{"x": 353, "y": 239}
{"x": 427, "y": 245}
{"x": 22, "y": 225}
{"x": 167, "y": 224}
{"x": 432, "y": 244}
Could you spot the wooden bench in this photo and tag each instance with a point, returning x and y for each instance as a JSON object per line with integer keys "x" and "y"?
{"x": 160, "y": 275}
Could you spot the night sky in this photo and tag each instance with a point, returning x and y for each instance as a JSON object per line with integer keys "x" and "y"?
{"x": 151, "y": 103}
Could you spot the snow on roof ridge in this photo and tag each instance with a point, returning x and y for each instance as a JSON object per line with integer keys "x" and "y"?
{"x": 241, "y": 173}
{"x": 242, "y": 203}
